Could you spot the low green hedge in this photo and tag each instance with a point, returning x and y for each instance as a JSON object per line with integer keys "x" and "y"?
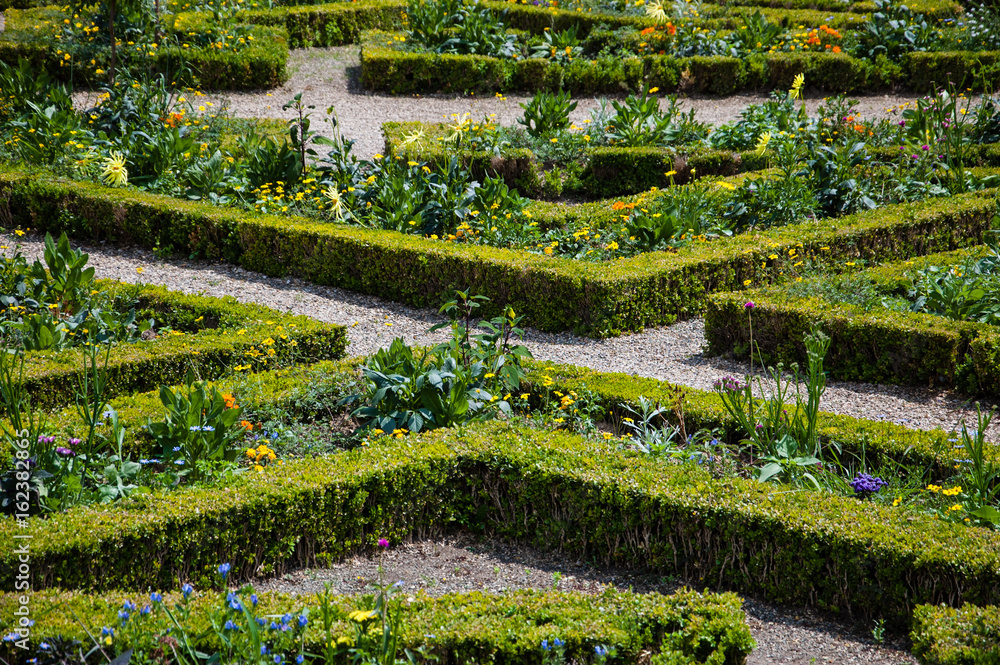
{"x": 876, "y": 346}
{"x": 226, "y": 332}
{"x": 944, "y": 635}
{"x": 607, "y": 172}
{"x": 259, "y": 65}
{"x": 879, "y": 441}
{"x": 387, "y": 66}
{"x": 331, "y": 24}
{"x": 548, "y": 490}
{"x": 689, "y": 627}
{"x": 556, "y": 294}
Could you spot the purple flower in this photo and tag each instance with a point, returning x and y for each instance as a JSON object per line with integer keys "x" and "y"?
{"x": 74, "y": 442}
{"x": 864, "y": 485}
{"x": 382, "y": 542}
{"x": 925, "y": 148}
{"x": 729, "y": 383}
{"x": 64, "y": 451}
{"x": 748, "y": 305}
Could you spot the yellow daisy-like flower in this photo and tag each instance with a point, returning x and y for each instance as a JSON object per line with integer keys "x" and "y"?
{"x": 655, "y": 11}
{"x": 797, "y": 83}
{"x": 115, "y": 174}
{"x": 336, "y": 203}
{"x": 762, "y": 142}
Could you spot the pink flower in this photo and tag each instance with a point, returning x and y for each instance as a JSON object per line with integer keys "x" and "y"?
{"x": 382, "y": 542}
{"x": 749, "y": 305}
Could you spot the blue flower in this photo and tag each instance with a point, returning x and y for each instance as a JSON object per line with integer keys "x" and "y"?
{"x": 187, "y": 590}
{"x": 179, "y": 462}
{"x": 299, "y": 659}
{"x": 600, "y": 651}
{"x": 273, "y": 626}
{"x": 44, "y": 646}
{"x": 108, "y": 631}
{"x": 145, "y": 610}
{"x": 558, "y": 642}
{"x": 224, "y": 570}
{"x": 545, "y": 645}
{"x": 123, "y": 616}
{"x": 865, "y": 485}
{"x": 156, "y": 597}
{"x": 11, "y": 637}
{"x": 177, "y": 449}
{"x": 263, "y": 649}
{"x": 253, "y": 599}
{"x": 128, "y": 606}
{"x": 261, "y": 622}
{"x": 303, "y": 620}
{"x": 149, "y": 461}
{"x": 229, "y": 625}
{"x": 277, "y": 658}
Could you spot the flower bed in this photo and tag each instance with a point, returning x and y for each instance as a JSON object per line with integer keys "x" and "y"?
{"x": 839, "y": 554}
{"x": 609, "y": 171}
{"x": 689, "y": 627}
{"x": 871, "y": 342}
{"x": 556, "y": 294}
{"x": 211, "y": 334}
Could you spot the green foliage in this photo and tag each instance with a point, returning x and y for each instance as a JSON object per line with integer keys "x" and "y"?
{"x": 471, "y": 627}
{"x": 601, "y": 300}
{"x": 547, "y": 113}
{"x": 200, "y": 429}
{"x": 969, "y": 635}
{"x": 540, "y": 485}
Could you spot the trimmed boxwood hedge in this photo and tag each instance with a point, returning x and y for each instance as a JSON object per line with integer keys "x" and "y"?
{"x": 599, "y": 299}
{"x": 259, "y": 65}
{"x": 875, "y": 346}
{"x": 607, "y": 172}
{"x": 548, "y": 490}
{"x": 968, "y": 635}
{"x": 879, "y": 441}
{"x": 474, "y": 627}
{"x": 226, "y": 332}
{"x": 387, "y": 66}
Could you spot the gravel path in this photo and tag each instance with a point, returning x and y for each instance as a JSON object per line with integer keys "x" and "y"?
{"x": 783, "y": 635}
{"x": 330, "y": 77}
{"x": 672, "y": 353}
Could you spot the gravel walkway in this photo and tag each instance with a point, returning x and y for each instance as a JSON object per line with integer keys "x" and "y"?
{"x": 672, "y": 353}
{"x": 783, "y": 635}
{"x": 330, "y": 77}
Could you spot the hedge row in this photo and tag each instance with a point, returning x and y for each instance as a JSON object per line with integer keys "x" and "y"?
{"x": 548, "y": 490}
{"x": 297, "y": 390}
{"x": 221, "y": 339}
{"x": 260, "y": 65}
{"x": 607, "y": 171}
{"x": 877, "y": 345}
{"x": 944, "y": 635}
{"x": 556, "y": 294}
{"x": 683, "y": 628}
{"x": 387, "y": 67}
{"x": 879, "y": 441}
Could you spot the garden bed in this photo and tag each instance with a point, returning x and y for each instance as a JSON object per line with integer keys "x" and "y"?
{"x": 871, "y": 343}
{"x": 835, "y": 553}
{"x": 556, "y": 294}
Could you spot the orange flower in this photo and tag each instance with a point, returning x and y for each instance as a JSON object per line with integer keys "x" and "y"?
{"x": 647, "y": 31}
{"x": 836, "y": 49}
{"x": 671, "y": 29}
{"x": 617, "y": 205}
{"x": 247, "y": 425}
{"x": 229, "y": 400}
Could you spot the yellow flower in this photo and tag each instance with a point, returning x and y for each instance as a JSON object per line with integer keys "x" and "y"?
{"x": 140, "y": 270}
{"x": 762, "y": 142}
{"x": 337, "y": 204}
{"x": 797, "y": 83}
{"x": 655, "y": 11}
{"x": 115, "y": 174}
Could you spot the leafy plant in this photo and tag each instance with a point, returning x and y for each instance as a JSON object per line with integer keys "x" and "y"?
{"x": 546, "y": 113}
{"x": 200, "y": 430}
